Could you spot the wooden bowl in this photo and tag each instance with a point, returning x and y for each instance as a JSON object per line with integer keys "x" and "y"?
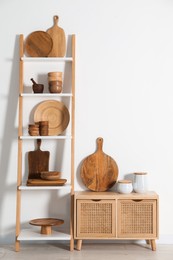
{"x": 50, "y": 78}
{"x": 55, "y": 83}
{"x": 50, "y": 175}
{"x": 55, "y": 86}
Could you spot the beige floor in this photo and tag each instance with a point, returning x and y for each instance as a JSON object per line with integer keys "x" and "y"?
{"x": 89, "y": 252}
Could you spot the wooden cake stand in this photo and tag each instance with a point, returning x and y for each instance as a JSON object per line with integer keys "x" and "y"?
{"x": 46, "y": 224}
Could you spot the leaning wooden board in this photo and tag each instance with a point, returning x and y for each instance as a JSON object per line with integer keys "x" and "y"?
{"x": 38, "y": 161}
{"x": 59, "y": 41}
{"x": 38, "y": 44}
{"x": 99, "y": 171}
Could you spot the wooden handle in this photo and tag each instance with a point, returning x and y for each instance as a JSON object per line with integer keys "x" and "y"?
{"x": 99, "y": 143}
{"x": 38, "y": 144}
{"x": 55, "y": 19}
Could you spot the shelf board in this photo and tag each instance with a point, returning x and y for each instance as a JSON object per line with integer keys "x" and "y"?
{"x": 63, "y": 187}
{"x": 31, "y": 234}
{"x": 47, "y": 59}
{"x": 50, "y": 137}
{"x": 46, "y": 95}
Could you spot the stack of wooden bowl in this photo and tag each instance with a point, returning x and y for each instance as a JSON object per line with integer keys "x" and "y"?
{"x": 33, "y": 129}
{"x": 39, "y": 128}
{"x": 44, "y": 127}
{"x": 55, "y": 82}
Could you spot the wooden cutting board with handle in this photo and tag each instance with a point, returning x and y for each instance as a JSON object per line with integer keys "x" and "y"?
{"x": 38, "y": 161}
{"x": 99, "y": 171}
{"x": 59, "y": 41}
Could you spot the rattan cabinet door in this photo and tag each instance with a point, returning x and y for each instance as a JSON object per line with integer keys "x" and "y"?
{"x": 137, "y": 218}
{"x": 95, "y": 218}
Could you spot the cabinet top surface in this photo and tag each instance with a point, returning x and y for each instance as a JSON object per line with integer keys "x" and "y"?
{"x": 110, "y": 194}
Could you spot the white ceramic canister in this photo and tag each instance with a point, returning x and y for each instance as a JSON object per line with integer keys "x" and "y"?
{"x": 124, "y": 186}
{"x": 140, "y": 182}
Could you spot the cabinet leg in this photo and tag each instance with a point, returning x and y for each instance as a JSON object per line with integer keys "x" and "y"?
{"x": 148, "y": 242}
{"x": 79, "y": 244}
{"x": 153, "y": 244}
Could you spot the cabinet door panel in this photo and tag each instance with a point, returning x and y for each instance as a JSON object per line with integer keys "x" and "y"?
{"x": 95, "y": 218}
{"x": 137, "y": 219}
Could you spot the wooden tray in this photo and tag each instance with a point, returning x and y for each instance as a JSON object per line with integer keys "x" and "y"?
{"x": 56, "y": 113}
{"x": 40, "y": 182}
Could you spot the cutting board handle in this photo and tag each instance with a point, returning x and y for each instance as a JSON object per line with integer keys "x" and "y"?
{"x": 38, "y": 144}
{"x": 56, "y": 19}
{"x": 99, "y": 143}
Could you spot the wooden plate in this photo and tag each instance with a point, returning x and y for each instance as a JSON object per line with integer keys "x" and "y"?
{"x": 56, "y": 113}
{"x": 38, "y": 44}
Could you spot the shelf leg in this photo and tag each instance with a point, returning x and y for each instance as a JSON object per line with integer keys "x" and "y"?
{"x": 17, "y": 246}
{"x": 153, "y": 244}
{"x": 79, "y": 244}
{"x": 71, "y": 244}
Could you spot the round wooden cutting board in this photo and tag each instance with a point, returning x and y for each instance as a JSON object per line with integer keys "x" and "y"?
{"x": 99, "y": 171}
{"x": 38, "y": 44}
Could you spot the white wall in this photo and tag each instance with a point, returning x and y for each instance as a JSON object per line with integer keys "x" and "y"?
{"x": 124, "y": 90}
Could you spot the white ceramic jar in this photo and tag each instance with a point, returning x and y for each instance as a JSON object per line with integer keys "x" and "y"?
{"x": 124, "y": 186}
{"x": 140, "y": 182}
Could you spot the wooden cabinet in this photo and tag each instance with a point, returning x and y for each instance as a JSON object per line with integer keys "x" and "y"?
{"x": 110, "y": 215}
{"x": 27, "y": 102}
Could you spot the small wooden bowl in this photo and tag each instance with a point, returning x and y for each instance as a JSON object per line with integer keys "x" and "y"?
{"x": 55, "y": 89}
{"x": 55, "y": 83}
{"x": 50, "y": 175}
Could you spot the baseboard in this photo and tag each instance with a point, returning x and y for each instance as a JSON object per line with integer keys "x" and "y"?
{"x": 165, "y": 239}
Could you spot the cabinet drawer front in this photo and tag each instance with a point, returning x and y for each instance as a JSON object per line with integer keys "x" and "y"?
{"x": 95, "y": 218}
{"x": 137, "y": 219}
